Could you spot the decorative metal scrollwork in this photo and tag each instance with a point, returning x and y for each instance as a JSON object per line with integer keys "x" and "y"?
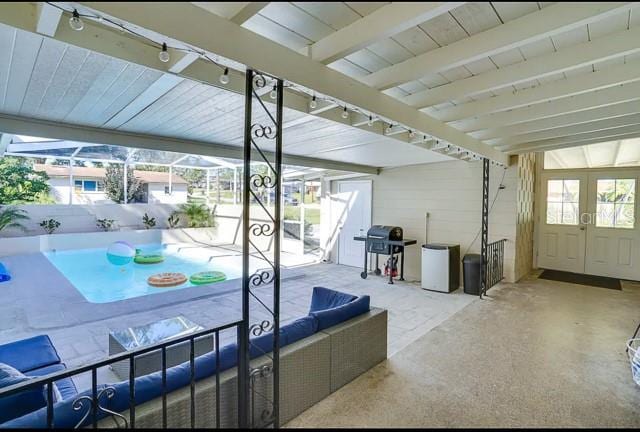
{"x": 261, "y": 229}
{"x": 261, "y": 277}
{"x": 260, "y": 328}
{"x": 262, "y": 123}
{"x": 79, "y": 404}
{"x": 259, "y": 81}
{"x": 261, "y": 131}
{"x": 259, "y": 181}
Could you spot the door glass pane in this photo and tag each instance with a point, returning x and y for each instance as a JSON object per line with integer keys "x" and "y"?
{"x": 605, "y": 215}
{"x": 571, "y": 191}
{"x": 625, "y": 191}
{"x": 554, "y": 191}
{"x": 606, "y": 191}
{"x": 616, "y": 203}
{"x": 554, "y": 213}
{"x": 569, "y": 213}
{"x": 624, "y": 216}
{"x": 563, "y": 202}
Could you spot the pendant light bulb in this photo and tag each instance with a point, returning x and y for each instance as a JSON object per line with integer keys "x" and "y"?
{"x": 412, "y": 134}
{"x": 370, "y": 122}
{"x": 345, "y": 113}
{"x": 75, "y": 22}
{"x": 313, "y": 104}
{"x": 164, "y": 54}
{"x": 274, "y": 93}
{"x": 224, "y": 78}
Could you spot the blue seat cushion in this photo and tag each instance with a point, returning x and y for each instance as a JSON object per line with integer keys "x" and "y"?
{"x": 29, "y": 354}
{"x": 325, "y": 298}
{"x": 330, "y": 317}
{"x": 65, "y": 386}
{"x": 298, "y": 329}
{"x": 21, "y": 403}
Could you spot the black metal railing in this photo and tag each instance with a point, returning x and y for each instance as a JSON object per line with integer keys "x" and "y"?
{"x": 494, "y": 272}
{"x": 93, "y": 403}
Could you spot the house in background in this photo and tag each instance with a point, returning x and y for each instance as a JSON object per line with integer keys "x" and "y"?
{"x": 88, "y": 185}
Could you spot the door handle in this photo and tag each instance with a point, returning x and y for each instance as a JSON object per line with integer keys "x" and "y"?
{"x": 582, "y": 228}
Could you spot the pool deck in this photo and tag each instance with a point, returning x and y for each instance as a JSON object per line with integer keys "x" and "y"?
{"x": 44, "y": 302}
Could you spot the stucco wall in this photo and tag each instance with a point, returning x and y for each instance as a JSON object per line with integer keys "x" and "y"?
{"x": 157, "y": 195}
{"x": 451, "y": 192}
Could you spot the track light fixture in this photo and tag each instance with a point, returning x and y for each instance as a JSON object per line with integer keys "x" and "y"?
{"x": 75, "y": 22}
{"x": 370, "y": 121}
{"x": 345, "y": 113}
{"x": 163, "y": 55}
{"x": 224, "y": 78}
{"x": 313, "y": 104}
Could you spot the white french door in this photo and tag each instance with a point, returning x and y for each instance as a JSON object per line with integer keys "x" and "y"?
{"x": 588, "y": 223}
{"x": 562, "y": 235}
{"x": 613, "y": 234}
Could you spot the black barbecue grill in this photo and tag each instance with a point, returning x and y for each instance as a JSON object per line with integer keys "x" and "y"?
{"x": 378, "y": 238}
{"x": 384, "y": 240}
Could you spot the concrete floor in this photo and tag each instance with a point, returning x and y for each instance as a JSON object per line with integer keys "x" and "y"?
{"x": 536, "y": 354}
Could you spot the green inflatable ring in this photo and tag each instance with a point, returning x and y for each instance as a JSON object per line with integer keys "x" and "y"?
{"x": 148, "y": 259}
{"x": 207, "y": 277}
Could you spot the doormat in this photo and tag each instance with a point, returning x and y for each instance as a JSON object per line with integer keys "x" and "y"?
{"x": 581, "y": 279}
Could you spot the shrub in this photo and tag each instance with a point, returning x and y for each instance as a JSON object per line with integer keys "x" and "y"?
{"x": 50, "y": 225}
{"x": 105, "y": 224}
{"x": 174, "y": 220}
{"x": 197, "y": 215}
{"x": 149, "y": 222}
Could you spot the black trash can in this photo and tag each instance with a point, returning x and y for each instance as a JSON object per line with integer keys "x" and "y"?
{"x": 471, "y": 273}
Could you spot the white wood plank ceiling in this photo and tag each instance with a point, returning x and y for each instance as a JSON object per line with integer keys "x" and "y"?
{"x": 488, "y": 77}
{"x": 498, "y": 98}
{"x": 42, "y": 78}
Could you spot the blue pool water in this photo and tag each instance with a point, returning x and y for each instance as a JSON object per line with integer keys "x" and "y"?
{"x": 102, "y": 282}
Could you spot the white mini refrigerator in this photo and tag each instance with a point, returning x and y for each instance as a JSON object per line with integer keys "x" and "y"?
{"x": 440, "y": 267}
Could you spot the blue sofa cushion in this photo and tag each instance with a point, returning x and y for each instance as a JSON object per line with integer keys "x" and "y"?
{"x": 330, "y": 317}
{"x": 325, "y": 298}
{"x": 298, "y": 329}
{"x": 21, "y": 403}
{"x": 29, "y": 354}
{"x": 65, "y": 386}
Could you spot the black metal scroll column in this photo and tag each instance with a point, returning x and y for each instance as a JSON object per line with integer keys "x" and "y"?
{"x": 485, "y": 227}
{"x": 257, "y": 406}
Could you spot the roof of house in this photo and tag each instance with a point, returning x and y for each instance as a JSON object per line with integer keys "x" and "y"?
{"x": 91, "y": 172}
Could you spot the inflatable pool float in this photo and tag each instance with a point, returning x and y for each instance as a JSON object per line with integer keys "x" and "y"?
{"x": 148, "y": 259}
{"x": 166, "y": 280}
{"x": 207, "y": 277}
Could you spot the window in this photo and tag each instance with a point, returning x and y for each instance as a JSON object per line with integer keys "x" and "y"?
{"x": 88, "y": 186}
{"x": 563, "y": 198}
{"x": 615, "y": 203}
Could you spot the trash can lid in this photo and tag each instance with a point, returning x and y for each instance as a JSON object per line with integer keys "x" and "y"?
{"x": 439, "y": 246}
{"x": 471, "y": 258}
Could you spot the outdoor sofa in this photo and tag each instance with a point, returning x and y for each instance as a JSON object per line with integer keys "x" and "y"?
{"x": 340, "y": 338}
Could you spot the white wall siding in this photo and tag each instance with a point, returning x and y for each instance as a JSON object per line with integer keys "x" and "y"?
{"x": 451, "y": 192}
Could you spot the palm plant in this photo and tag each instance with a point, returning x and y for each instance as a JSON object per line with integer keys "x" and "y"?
{"x": 197, "y": 215}
{"x": 10, "y": 217}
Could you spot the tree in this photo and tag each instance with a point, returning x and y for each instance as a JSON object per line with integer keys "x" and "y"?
{"x": 114, "y": 184}
{"x": 19, "y": 183}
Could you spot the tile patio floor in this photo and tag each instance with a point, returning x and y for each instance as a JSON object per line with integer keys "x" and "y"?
{"x": 412, "y": 313}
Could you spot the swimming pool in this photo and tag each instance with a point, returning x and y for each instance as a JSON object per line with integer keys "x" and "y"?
{"x": 99, "y": 281}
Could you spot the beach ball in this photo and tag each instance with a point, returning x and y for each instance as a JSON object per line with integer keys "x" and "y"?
{"x": 120, "y": 253}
